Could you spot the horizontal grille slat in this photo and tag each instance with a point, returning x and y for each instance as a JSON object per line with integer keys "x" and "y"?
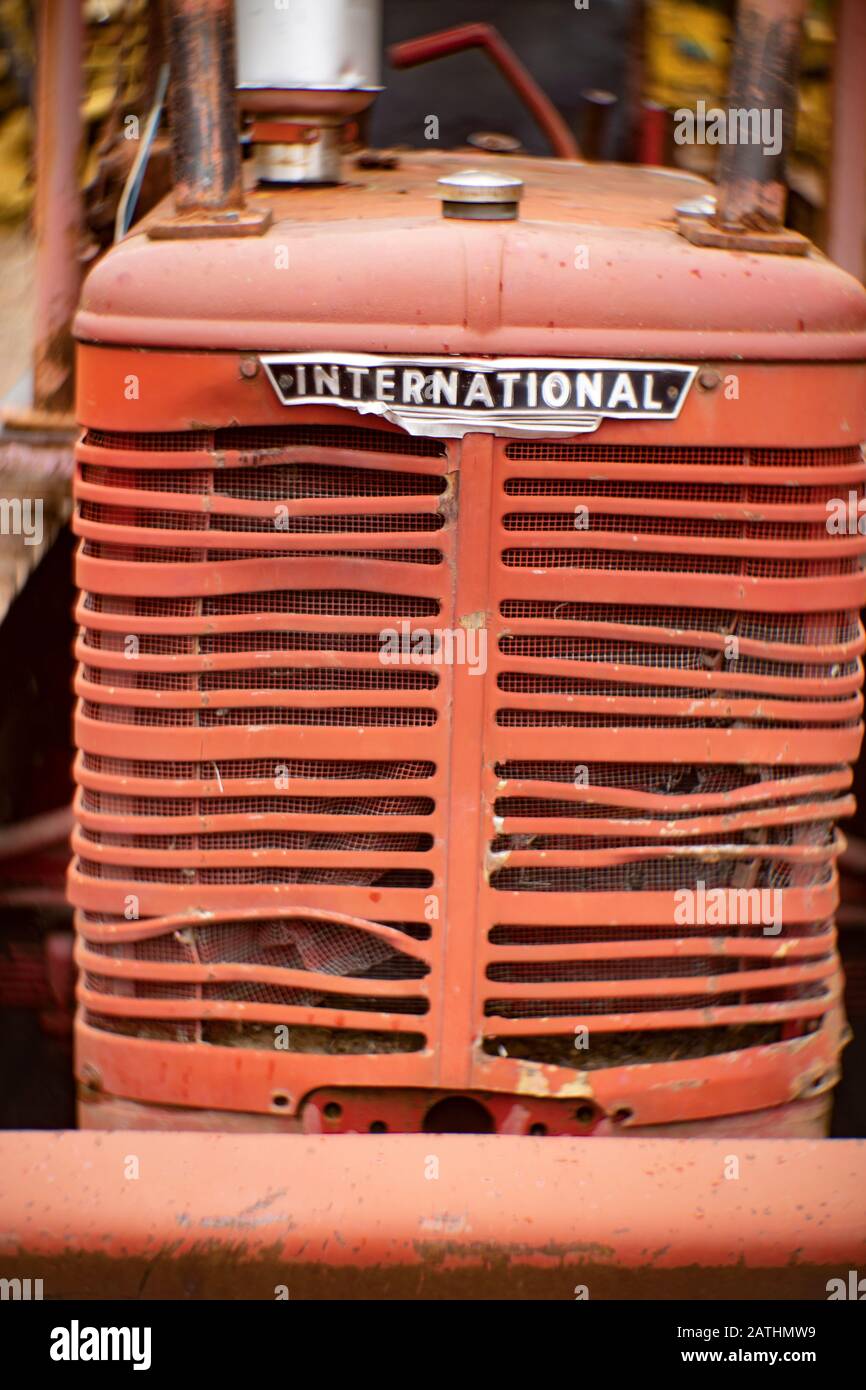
{"x": 242, "y": 438}
{"x": 675, "y": 455}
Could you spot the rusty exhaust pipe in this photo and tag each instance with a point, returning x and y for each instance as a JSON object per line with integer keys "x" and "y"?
{"x": 764, "y": 70}
{"x": 205, "y": 141}
{"x": 760, "y": 118}
{"x": 204, "y": 126}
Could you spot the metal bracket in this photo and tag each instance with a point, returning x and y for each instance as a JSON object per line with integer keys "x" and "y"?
{"x": 235, "y": 222}
{"x": 700, "y": 231}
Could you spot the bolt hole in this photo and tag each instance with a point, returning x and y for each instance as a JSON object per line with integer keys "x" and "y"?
{"x": 458, "y": 1115}
{"x": 623, "y": 1114}
{"x": 378, "y": 1127}
{"x": 538, "y": 1129}
{"x": 280, "y": 1099}
{"x": 584, "y": 1114}
{"x": 332, "y": 1110}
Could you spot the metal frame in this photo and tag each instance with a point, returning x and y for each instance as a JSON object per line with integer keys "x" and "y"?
{"x": 428, "y": 1216}
{"x": 271, "y": 1083}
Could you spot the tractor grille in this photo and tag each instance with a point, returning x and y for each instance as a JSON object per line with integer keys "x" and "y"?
{"x": 279, "y": 826}
{"x": 241, "y": 737}
{"x": 674, "y": 691}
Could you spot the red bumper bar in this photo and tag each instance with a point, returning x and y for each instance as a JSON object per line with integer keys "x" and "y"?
{"x": 428, "y": 1216}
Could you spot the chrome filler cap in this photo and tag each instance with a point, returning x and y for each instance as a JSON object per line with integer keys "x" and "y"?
{"x": 480, "y": 196}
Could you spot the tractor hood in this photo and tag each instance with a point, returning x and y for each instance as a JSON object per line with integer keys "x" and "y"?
{"x": 594, "y": 266}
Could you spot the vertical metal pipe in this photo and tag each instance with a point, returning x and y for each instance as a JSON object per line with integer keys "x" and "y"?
{"x": 204, "y": 124}
{"x": 57, "y": 209}
{"x": 846, "y": 239}
{"x": 764, "y": 72}
{"x": 597, "y": 108}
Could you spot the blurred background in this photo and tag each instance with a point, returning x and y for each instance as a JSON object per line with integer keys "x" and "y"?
{"x": 616, "y": 77}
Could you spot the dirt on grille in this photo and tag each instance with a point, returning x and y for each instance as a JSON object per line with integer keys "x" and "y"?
{"x": 605, "y": 1050}
{"x": 633, "y": 1049}
{"x": 328, "y": 1041}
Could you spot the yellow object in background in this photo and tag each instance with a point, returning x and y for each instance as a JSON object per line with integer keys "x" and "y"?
{"x": 16, "y": 192}
{"x": 115, "y": 54}
{"x": 686, "y": 52}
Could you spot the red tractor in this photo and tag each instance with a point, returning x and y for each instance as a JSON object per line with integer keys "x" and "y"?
{"x": 469, "y": 663}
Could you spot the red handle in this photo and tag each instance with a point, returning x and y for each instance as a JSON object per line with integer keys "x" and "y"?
{"x": 447, "y": 41}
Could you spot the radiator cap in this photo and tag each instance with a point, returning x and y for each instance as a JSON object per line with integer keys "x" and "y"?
{"x": 480, "y": 196}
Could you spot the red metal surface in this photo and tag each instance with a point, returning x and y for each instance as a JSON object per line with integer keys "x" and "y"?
{"x": 555, "y": 908}
{"x": 449, "y": 41}
{"x": 261, "y": 1081}
{"x": 57, "y": 213}
{"x": 465, "y": 1216}
{"x": 191, "y": 397}
{"x": 775, "y": 241}
{"x": 367, "y": 252}
{"x": 342, "y": 1110}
